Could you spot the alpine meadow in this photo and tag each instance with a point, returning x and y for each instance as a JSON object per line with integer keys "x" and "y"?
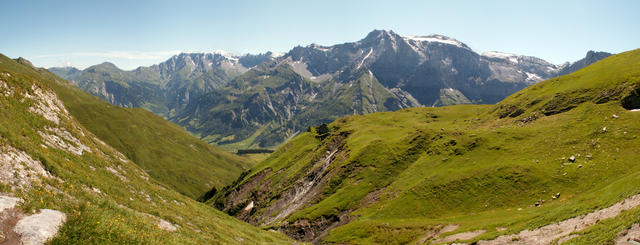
{"x": 332, "y": 122}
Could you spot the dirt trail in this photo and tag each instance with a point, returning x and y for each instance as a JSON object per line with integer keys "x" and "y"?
{"x": 549, "y": 233}
{"x": 432, "y": 234}
{"x": 460, "y": 236}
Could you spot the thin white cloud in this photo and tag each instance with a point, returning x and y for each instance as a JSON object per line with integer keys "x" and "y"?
{"x": 116, "y": 54}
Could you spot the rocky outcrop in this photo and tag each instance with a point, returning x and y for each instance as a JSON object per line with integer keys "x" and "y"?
{"x": 261, "y": 200}
{"x": 37, "y": 228}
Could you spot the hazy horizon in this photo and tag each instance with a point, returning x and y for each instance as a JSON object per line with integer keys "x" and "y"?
{"x": 142, "y": 33}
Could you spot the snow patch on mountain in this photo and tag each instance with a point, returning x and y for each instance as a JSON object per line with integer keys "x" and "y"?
{"x": 533, "y": 77}
{"x": 436, "y": 39}
{"x": 226, "y": 54}
{"x": 365, "y": 58}
{"x": 321, "y": 48}
{"x": 277, "y": 55}
{"x": 500, "y": 55}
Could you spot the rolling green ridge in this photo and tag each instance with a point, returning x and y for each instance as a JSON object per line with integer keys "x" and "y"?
{"x": 163, "y": 149}
{"x": 106, "y": 197}
{"x": 399, "y": 177}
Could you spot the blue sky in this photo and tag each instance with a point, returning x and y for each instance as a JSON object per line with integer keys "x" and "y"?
{"x": 134, "y": 33}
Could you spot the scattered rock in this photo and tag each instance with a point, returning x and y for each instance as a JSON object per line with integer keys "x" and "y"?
{"x": 165, "y": 225}
{"x": 572, "y": 159}
{"x": 604, "y": 129}
{"x": 116, "y": 173}
{"x": 5, "y": 89}
{"x": 63, "y": 140}
{"x": 549, "y": 233}
{"x": 614, "y": 116}
{"x": 628, "y": 235}
{"x": 38, "y": 228}
{"x": 579, "y": 165}
{"x": 248, "y": 207}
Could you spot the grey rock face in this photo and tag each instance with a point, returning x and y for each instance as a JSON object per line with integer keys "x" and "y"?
{"x": 590, "y": 58}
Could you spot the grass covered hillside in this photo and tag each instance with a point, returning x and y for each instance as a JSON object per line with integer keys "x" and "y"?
{"x": 61, "y": 184}
{"x": 164, "y": 150}
{"x": 492, "y": 174}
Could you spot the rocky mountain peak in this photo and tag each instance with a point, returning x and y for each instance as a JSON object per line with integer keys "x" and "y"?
{"x": 593, "y": 56}
{"x": 377, "y": 34}
{"x": 590, "y": 58}
{"x": 107, "y": 65}
{"x": 380, "y": 36}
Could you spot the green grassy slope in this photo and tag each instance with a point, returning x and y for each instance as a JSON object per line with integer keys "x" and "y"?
{"x": 106, "y": 199}
{"x": 395, "y": 177}
{"x": 166, "y": 151}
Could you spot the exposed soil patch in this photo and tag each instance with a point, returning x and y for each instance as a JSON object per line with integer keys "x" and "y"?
{"x": 306, "y": 230}
{"x": 632, "y": 102}
{"x": 460, "y": 236}
{"x": 299, "y": 193}
{"x": 239, "y": 197}
{"x": 631, "y": 234}
{"x": 9, "y": 216}
{"x": 438, "y": 232}
{"x": 8, "y": 220}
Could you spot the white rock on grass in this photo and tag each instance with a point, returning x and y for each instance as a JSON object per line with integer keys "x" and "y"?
{"x": 47, "y": 104}
{"x": 5, "y": 89}
{"x": 18, "y": 169}
{"x": 40, "y": 227}
{"x": 116, "y": 173}
{"x": 63, "y": 140}
{"x": 7, "y": 202}
{"x": 165, "y": 225}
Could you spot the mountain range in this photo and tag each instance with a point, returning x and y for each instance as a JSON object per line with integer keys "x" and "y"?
{"x": 259, "y": 101}
{"x": 553, "y": 163}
